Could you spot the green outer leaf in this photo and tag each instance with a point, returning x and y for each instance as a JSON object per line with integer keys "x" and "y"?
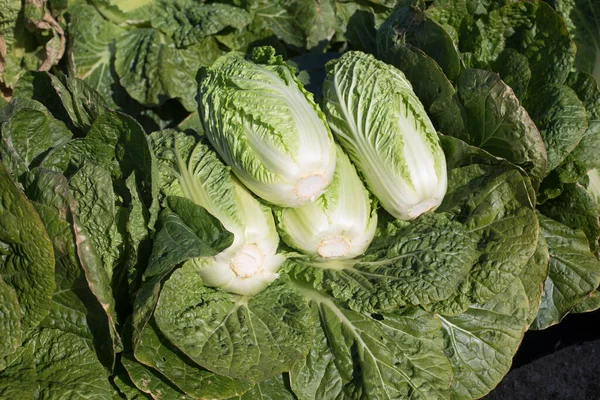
{"x": 358, "y": 22}
{"x": 494, "y": 199}
{"x": 533, "y": 277}
{"x": 388, "y": 355}
{"x": 155, "y": 351}
{"x": 128, "y": 389}
{"x": 26, "y": 255}
{"x": 421, "y": 263}
{"x": 497, "y": 123}
{"x": 240, "y": 337}
{"x": 188, "y": 22}
{"x": 585, "y": 156}
{"x": 581, "y": 17}
{"x": 514, "y": 70}
{"x": 74, "y": 309}
{"x": 533, "y": 29}
{"x": 574, "y": 272}
{"x": 10, "y": 324}
{"x": 174, "y": 243}
{"x": 152, "y": 70}
{"x": 591, "y": 303}
{"x": 27, "y": 135}
{"x": 93, "y": 199}
{"x": 92, "y": 49}
{"x": 44, "y": 366}
{"x": 577, "y": 209}
{"x": 271, "y": 389}
{"x": 149, "y": 381}
{"x": 561, "y": 118}
{"x": 409, "y": 26}
{"x": 482, "y": 341}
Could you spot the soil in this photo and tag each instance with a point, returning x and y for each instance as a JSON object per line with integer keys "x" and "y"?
{"x": 559, "y": 363}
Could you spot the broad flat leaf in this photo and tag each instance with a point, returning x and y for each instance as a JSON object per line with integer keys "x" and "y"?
{"x": 92, "y": 49}
{"x": 421, "y": 263}
{"x": 482, "y": 341}
{"x": 27, "y": 135}
{"x": 174, "y": 243}
{"x": 251, "y": 338}
{"x": 429, "y": 82}
{"x": 74, "y": 308}
{"x": 271, "y": 389}
{"x": 493, "y": 199}
{"x": 581, "y": 18}
{"x": 533, "y": 29}
{"x": 358, "y": 22}
{"x": 117, "y": 142}
{"x": 409, "y": 26}
{"x": 26, "y": 256}
{"x": 188, "y": 22}
{"x": 534, "y": 276}
{"x": 149, "y": 381}
{"x": 303, "y": 24}
{"x": 155, "y": 351}
{"x": 153, "y": 70}
{"x": 574, "y": 272}
{"x": 382, "y": 356}
{"x": 561, "y": 118}
{"x": 92, "y": 191}
{"x": 497, "y": 123}
{"x": 513, "y": 68}
{"x": 10, "y": 324}
{"x": 44, "y": 366}
{"x": 590, "y": 303}
{"x": 577, "y": 209}
{"x": 585, "y": 156}
{"x": 128, "y": 389}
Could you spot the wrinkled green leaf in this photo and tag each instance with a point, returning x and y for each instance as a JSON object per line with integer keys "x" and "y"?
{"x": 26, "y": 256}
{"x": 574, "y": 272}
{"x": 385, "y": 355}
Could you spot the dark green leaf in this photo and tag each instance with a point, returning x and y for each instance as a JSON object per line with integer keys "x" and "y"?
{"x": 272, "y": 330}
{"x": 26, "y": 256}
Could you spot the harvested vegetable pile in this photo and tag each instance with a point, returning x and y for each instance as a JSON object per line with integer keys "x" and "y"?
{"x": 291, "y": 199}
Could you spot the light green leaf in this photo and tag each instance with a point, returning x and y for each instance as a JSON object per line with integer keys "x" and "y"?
{"x": 251, "y": 338}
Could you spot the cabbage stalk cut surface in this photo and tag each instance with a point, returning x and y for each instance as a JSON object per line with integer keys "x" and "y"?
{"x": 382, "y": 125}
{"x": 341, "y": 223}
{"x": 251, "y": 262}
{"x": 267, "y": 128}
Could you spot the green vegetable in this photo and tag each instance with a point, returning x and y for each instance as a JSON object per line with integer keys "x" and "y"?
{"x": 383, "y": 126}
{"x": 340, "y": 223}
{"x": 267, "y": 128}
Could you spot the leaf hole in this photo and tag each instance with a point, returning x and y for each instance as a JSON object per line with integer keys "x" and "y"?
{"x": 377, "y": 316}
